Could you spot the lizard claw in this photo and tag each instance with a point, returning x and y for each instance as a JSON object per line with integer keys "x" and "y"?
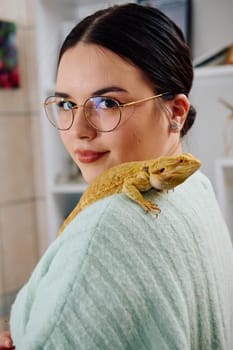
{"x": 152, "y": 207}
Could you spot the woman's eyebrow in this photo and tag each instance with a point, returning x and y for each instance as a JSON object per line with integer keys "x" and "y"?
{"x": 100, "y": 92}
{"x": 108, "y": 89}
{"x": 61, "y": 94}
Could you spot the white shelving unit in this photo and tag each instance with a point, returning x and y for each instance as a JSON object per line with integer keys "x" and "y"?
{"x": 54, "y": 18}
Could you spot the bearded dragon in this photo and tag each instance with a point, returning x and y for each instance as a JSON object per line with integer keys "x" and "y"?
{"x": 132, "y": 178}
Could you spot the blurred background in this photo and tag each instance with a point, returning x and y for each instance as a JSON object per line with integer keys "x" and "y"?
{"x": 39, "y": 184}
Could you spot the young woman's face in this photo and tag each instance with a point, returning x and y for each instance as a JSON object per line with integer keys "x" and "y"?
{"x": 144, "y": 130}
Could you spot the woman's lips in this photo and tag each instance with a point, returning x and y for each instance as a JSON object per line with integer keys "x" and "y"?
{"x": 89, "y": 156}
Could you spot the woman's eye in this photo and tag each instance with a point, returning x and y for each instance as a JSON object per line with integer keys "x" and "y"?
{"x": 106, "y": 103}
{"x": 65, "y": 105}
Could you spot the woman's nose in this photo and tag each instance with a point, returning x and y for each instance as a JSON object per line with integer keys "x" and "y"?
{"x": 81, "y": 126}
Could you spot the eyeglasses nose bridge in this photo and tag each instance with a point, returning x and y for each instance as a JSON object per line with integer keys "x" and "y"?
{"x": 77, "y": 106}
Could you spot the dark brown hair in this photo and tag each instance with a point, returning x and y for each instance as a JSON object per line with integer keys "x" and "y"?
{"x": 146, "y": 37}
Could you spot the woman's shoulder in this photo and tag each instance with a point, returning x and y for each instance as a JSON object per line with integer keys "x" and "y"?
{"x": 119, "y": 216}
{"x": 118, "y": 211}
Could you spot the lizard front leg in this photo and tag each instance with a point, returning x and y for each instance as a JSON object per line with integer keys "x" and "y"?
{"x": 133, "y": 187}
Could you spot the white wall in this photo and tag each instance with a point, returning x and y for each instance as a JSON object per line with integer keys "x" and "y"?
{"x": 212, "y": 26}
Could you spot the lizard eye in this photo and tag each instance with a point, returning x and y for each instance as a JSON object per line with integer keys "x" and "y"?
{"x": 146, "y": 169}
{"x": 161, "y": 170}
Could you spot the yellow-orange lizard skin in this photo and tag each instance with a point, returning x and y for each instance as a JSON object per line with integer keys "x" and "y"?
{"x": 164, "y": 173}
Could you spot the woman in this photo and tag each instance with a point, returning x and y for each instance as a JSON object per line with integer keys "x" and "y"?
{"x": 117, "y": 278}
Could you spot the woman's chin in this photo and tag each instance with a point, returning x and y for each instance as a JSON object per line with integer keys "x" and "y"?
{"x": 90, "y": 175}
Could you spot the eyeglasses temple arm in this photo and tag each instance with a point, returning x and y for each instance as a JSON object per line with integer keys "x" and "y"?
{"x": 141, "y": 100}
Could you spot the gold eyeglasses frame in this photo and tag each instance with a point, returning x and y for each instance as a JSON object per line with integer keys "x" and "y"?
{"x": 76, "y": 106}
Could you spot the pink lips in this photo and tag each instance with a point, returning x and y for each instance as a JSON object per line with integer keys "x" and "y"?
{"x": 89, "y": 156}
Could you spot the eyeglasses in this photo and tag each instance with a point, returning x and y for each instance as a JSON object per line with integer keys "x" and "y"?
{"x": 101, "y": 112}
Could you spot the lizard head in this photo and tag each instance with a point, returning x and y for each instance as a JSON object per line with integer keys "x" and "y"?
{"x": 169, "y": 172}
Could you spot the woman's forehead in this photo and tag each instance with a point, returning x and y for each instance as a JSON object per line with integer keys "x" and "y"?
{"x": 89, "y": 64}
{"x": 91, "y": 56}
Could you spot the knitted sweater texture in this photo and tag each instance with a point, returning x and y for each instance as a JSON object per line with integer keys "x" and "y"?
{"x": 120, "y": 279}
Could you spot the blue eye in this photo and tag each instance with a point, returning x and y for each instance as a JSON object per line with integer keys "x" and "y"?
{"x": 104, "y": 103}
{"x": 65, "y": 105}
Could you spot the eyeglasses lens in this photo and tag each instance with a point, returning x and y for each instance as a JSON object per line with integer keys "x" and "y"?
{"x": 103, "y": 113}
{"x": 59, "y": 112}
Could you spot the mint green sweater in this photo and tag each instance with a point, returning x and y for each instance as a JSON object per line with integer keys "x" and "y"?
{"x": 118, "y": 278}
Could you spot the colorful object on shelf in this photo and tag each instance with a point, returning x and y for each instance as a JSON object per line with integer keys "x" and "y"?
{"x": 9, "y": 72}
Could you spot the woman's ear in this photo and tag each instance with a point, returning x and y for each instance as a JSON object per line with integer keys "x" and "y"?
{"x": 179, "y": 108}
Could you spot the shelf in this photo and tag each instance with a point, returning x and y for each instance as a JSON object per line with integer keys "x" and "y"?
{"x": 69, "y": 188}
{"x": 225, "y": 162}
